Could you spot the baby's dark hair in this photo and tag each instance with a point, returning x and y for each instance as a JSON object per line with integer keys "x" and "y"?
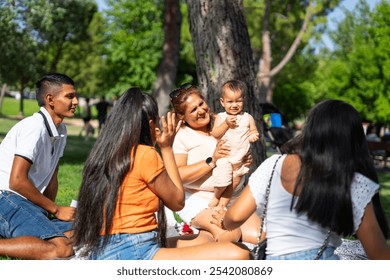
{"x": 234, "y": 85}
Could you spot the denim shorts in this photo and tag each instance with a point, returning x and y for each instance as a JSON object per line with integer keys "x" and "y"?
{"x": 21, "y": 217}
{"x": 327, "y": 254}
{"x": 128, "y": 246}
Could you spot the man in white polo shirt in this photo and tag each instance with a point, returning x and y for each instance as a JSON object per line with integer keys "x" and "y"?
{"x": 32, "y": 226}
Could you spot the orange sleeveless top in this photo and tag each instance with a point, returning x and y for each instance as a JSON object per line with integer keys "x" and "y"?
{"x": 137, "y": 204}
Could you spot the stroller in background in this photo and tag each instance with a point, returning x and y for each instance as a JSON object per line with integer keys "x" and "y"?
{"x": 276, "y": 127}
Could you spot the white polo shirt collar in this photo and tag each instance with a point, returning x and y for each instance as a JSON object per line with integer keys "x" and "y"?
{"x": 51, "y": 128}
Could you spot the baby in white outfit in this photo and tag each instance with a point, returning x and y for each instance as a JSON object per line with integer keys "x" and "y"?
{"x": 239, "y": 129}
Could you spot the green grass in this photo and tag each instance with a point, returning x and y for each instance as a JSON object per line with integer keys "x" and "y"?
{"x": 71, "y": 168}
{"x": 11, "y": 107}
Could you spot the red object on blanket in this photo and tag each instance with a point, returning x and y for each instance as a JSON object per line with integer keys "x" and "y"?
{"x": 186, "y": 230}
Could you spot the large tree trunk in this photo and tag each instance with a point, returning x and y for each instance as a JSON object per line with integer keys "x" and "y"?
{"x": 167, "y": 71}
{"x": 223, "y": 52}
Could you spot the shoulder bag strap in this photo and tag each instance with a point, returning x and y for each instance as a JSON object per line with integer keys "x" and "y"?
{"x": 321, "y": 250}
{"x": 267, "y": 191}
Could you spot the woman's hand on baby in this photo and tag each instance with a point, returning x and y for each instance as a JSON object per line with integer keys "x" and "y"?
{"x": 247, "y": 159}
{"x": 222, "y": 150}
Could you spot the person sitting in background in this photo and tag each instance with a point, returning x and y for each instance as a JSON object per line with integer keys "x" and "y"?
{"x": 371, "y": 134}
{"x": 324, "y": 187}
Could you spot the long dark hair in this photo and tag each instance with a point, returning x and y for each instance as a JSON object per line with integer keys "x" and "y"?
{"x": 109, "y": 161}
{"x": 332, "y": 148}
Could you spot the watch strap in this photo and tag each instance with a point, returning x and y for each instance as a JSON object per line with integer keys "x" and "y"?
{"x": 210, "y": 162}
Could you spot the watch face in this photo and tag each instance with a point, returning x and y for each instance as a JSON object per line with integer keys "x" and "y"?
{"x": 209, "y": 160}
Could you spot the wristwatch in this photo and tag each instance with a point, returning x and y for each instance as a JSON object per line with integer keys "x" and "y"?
{"x": 210, "y": 162}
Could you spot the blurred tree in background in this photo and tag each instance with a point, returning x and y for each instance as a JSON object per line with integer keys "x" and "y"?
{"x": 135, "y": 32}
{"x": 85, "y": 61}
{"x": 35, "y": 35}
{"x": 358, "y": 70}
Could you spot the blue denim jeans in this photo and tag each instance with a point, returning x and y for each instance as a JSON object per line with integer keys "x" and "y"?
{"x": 21, "y": 217}
{"x": 328, "y": 254}
{"x": 127, "y": 246}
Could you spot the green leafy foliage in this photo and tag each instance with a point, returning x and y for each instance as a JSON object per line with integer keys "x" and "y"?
{"x": 292, "y": 91}
{"x": 187, "y": 68}
{"x": 85, "y": 61}
{"x": 358, "y": 71}
{"x": 135, "y": 44}
{"x": 37, "y": 33}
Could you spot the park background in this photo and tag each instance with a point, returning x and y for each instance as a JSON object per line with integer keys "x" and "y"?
{"x": 291, "y": 54}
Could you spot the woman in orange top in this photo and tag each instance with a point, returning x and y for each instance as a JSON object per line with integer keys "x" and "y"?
{"x": 126, "y": 181}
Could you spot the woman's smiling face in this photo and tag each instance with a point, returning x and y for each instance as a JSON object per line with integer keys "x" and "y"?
{"x": 196, "y": 113}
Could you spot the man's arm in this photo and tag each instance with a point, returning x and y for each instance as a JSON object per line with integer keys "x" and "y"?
{"x": 20, "y": 183}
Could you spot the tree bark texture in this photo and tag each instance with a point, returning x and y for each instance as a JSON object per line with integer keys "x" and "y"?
{"x": 223, "y": 52}
{"x": 167, "y": 71}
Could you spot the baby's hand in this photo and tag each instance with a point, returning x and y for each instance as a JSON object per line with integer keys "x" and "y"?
{"x": 253, "y": 137}
{"x": 231, "y": 121}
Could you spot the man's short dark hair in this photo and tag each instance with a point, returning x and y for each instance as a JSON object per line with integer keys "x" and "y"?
{"x": 48, "y": 82}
